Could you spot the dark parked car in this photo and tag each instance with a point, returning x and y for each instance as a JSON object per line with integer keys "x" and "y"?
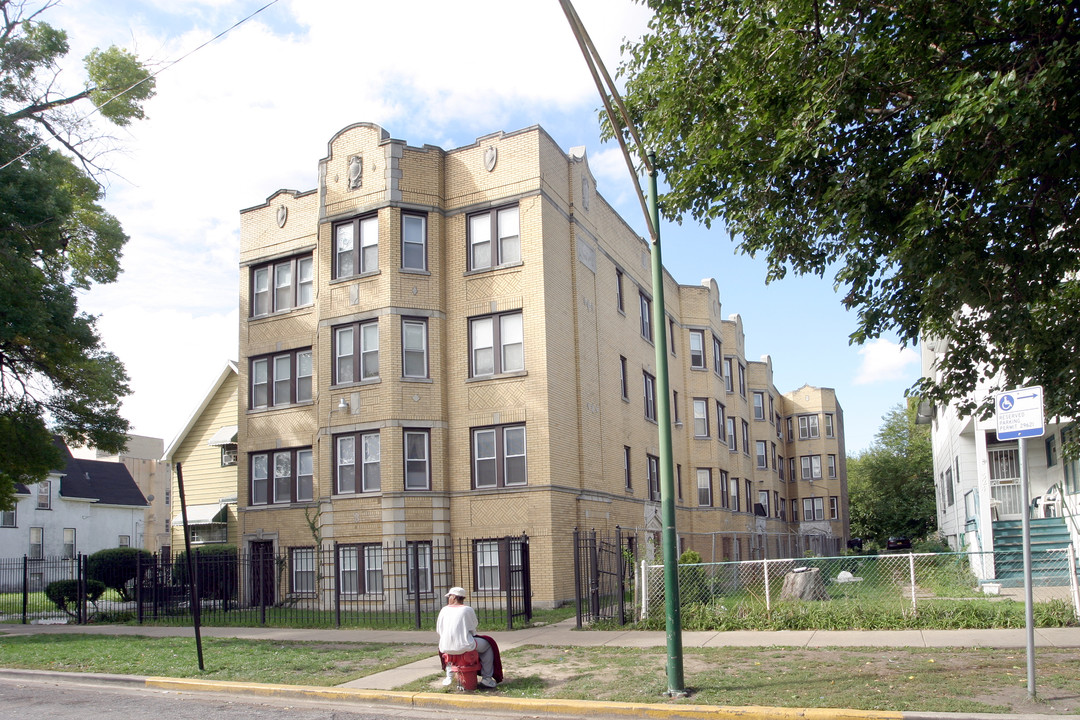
{"x": 898, "y": 542}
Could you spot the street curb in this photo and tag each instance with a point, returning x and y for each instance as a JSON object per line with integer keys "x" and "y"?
{"x": 580, "y": 708}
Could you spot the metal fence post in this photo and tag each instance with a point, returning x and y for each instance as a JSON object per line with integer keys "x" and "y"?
{"x": 414, "y": 550}
{"x": 508, "y": 596}
{"x": 622, "y": 574}
{"x": 25, "y": 590}
{"x": 337, "y": 583}
{"x": 768, "y": 595}
{"x": 594, "y": 577}
{"x": 84, "y": 563}
{"x": 1073, "y": 581}
{"x": 577, "y": 575}
{"x": 911, "y": 569}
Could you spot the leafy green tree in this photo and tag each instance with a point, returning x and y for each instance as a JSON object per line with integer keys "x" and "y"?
{"x": 891, "y": 484}
{"x": 55, "y": 238}
{"x": 923, "y": 152}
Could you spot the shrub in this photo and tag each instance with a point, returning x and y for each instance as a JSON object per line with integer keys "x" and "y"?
{"x": 116, "y": 567}
{"x": 217, "y": 571}
{"x": 693, "y": 583}
{"x": 64, "y": 594}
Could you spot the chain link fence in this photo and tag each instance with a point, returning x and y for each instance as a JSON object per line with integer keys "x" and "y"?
{"x": 886, "y": 585}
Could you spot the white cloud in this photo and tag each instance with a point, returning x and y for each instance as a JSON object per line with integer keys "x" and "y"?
{"x": 884, "y": 360}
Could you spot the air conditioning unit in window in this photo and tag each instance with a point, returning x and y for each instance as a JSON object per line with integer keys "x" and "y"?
{"x": 228, "y": 457}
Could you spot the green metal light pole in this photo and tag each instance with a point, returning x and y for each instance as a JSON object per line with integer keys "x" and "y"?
{"x": 667, "y": 476}
{"x": 670, "y": 539}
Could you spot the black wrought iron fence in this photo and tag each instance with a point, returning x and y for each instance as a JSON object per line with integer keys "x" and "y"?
{"x": 603, "y": 570}
{"x": 378, "y": 585}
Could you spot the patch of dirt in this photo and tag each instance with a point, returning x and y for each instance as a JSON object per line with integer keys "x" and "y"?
{"x": 997, "y": 679}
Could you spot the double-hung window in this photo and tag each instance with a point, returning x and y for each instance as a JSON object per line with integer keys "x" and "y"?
{"x": 357, "y": 462}
{"x": 68, "y": 551}
{"x": 413, "y": 242}
{"x": 759, "y": 405}
{"x": 622, "y": 378}
{"x": 360, "y": 569}
{"x": 652, "y": 470}
{"x": 808, "y": 427}
{"x": 44, "y": 495}
{"x": 721, "y": 422}
{"x": 417, "y": 459}
{"x": 697, "y": 350}
{"x": 302, "y": 563}
{"x": 813, "y": 508}
{"x": 760, "y": 451}
{"x": 498, "y": 564}
{"x": 704, "y": 487}
{"x": 701, "y": 417}
{"x": 834, "y": 507}
{"x": 356, "y": 247}
{"x": 832, "y": 468}
{"x": 811, "y": 467}
{"x": 742, "y": 379}
{"x": 281, "y": 379}
{"x": 7, "y": 518}
{"x": 494, "y": 238}
{"x": 717, "y": 356}
{"x": 414, "y": 348}
{"x": 626, "y": 469}
{"x": 650, "y": 396}
{"x": 281, "y": 477}
{"x": 725, "y": 501}
{"x": 645, "y": 307}
{"x": 356, "y": 352}
{"x": 732, "y": 438}
{"x": 282, "y": 285}
{"x": 728, "y": 378}
{"x": 830, "y": 430}
{"x": 499, "y": 456}
{"x": 37, "y": 543}
{"x": 619, "y": 291}
{"x": 418, "y": 566}
{"x": 745, "y": 437}
{"x": 496, "y": 344}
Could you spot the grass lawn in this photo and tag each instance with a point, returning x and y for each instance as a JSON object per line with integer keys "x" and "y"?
{"x": 903, "y": 679}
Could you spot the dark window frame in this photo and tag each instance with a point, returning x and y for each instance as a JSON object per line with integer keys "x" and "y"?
{"x": 362, "y": 483}
{"x": 496, "y": 252}
{"x": 296, "y": 286}
{"x": 272, "y": 381}
{"x": 500, "y": 458}
{"x": 498, "y": 346}
{"x": 423, "y": 243}
{"x": 360, "y": 263}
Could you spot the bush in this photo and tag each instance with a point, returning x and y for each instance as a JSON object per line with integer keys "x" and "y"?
{"x": 693, "y": 583}
{"x": 116, "y": 567}
{"x": 217, "y": 570}
{"x": 64, "y": 594}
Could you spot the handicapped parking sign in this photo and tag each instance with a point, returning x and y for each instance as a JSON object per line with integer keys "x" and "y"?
{"x": 1019, "y": 413}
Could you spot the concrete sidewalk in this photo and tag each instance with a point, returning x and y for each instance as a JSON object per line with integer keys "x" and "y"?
{"x": 380, "y": 686}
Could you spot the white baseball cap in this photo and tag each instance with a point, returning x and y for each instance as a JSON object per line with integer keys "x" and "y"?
{"x": 459, "y": 591}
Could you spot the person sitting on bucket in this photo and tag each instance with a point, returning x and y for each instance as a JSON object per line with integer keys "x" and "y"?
{"x": 456, "y": 627}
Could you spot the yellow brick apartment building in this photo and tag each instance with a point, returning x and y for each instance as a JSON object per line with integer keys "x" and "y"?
{"x": 457, "y": 345}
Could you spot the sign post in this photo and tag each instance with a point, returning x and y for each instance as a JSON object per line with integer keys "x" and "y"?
{"x": 1019, "y": 415}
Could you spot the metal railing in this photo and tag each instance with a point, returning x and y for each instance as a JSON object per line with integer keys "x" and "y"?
{"x": 380, "y": 585}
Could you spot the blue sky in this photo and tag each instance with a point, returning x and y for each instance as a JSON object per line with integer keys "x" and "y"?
{"x": 253, "y": 111}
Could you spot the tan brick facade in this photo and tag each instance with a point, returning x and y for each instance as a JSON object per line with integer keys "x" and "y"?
{"x": 576, "y": 257}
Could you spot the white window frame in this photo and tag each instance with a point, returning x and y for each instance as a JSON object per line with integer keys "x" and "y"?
{"x": 761, "y": 454}
{"x": 704, "y": 487}
{"x": 302, "y": 570}
{"x": 808, "y": 427}
{"x": 413, "y": 329}
{"x": 412, "y": 243}
{"x": 811, "y": 467}
{"x": 759, "y": 405}
{"x": 701, "y": 417}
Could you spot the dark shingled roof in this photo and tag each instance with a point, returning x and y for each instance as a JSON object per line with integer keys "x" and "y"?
{"x": 109, "y": 483}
